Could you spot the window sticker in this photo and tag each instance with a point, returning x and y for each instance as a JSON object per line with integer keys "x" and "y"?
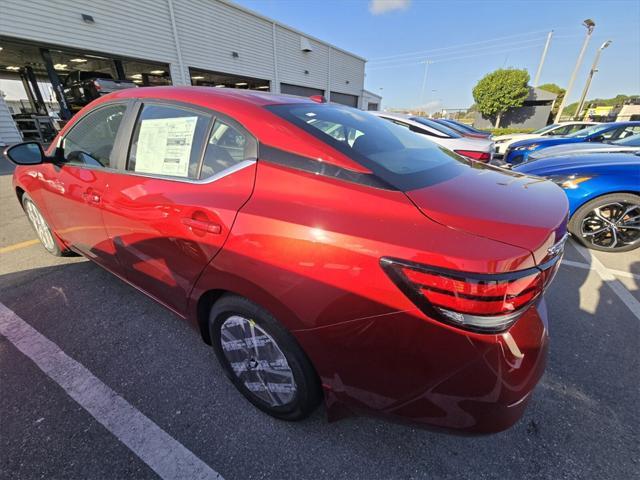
{"x": 164, "y": 146}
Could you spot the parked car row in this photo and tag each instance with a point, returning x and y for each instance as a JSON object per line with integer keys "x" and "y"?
{"x": 503, "y": 142}
{"x": 519, "y": 152}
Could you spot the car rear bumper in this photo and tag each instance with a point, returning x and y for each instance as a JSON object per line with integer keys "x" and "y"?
{"x": 410, "y": 369}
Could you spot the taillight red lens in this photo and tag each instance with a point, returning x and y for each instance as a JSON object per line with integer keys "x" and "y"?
{"x": 482, "y": 156}
{"x": 479, "y": 302}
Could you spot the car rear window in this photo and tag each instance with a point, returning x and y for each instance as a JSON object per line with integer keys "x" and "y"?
{"x": 399, "y": 157}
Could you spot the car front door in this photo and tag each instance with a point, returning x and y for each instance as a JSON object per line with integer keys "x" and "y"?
{"x": 188, "y": 173}
{"x": 73, "y": 190}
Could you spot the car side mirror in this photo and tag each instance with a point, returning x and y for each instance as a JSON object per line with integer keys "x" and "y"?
{"x": 597, "y": 138}
{"x": 27, "y": 153}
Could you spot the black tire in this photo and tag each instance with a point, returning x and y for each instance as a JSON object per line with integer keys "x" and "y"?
{"x": 307, "y": 385}
{"x": 43, "y": 231}
{"x": 592, "y": 241}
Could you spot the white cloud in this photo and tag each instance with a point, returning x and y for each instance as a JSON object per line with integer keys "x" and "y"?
{"x": 379, "y": 7}
{"x": 430, "y": 107}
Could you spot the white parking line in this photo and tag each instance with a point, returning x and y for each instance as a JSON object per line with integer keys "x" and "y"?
{"x": 609, "y": 278}
{"x": 617, "y": 273}
{"x": 164, "y": 454}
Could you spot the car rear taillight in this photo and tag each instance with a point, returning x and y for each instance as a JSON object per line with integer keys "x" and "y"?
{"x": 96, "y": 84}
{"x": 485, "y": 303}
{"x": 482, "y": 156}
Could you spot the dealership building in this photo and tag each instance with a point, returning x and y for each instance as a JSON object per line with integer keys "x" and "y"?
{"x": 211, "y": 43}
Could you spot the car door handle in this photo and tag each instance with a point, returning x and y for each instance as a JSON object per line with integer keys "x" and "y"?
{"x": 91, "y": 196}
{"x": 202, "y": 225}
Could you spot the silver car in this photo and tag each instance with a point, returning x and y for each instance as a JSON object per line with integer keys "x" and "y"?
{"x": 474, "y": 148}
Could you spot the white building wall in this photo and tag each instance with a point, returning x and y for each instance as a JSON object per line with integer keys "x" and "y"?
{"x": 293, "y": 62}
{"x": 370, "y": 97}
{"x": 347, "y": 73}
{"x": 208, "y": 31}
{"x": 138, "y": 29}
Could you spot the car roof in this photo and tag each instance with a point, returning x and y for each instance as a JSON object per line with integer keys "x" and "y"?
{"x": 581, "y": 162}
{"x": 573, "y": 122}
{"x": 253, "y": 97}
{"x": 587, "y": 159}
{"x": 621, "y": 124}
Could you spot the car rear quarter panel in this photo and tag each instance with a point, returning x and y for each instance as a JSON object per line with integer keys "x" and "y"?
{"x": 307, "y": 248}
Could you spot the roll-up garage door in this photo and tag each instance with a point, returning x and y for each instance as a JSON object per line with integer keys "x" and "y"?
{"x": 345, "y": 99}
{"x": 299, "y": 91}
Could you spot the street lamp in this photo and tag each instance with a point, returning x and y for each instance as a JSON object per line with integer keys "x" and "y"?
{"x": 594, "y": 69}
{"x": 590, "y": 25}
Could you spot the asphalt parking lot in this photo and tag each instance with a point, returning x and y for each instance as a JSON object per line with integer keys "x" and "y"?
{"x": 582, "y": 422}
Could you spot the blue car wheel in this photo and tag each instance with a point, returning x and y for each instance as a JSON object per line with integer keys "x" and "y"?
{"x": 610, "y": 223}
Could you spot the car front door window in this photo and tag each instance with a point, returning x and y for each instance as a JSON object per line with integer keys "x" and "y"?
{"x": 90, "y": 142}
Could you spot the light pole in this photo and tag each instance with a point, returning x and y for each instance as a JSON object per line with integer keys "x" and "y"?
{"x": 544, "y": 55}
{"x": 424, "y": 80}
{"x": 590, "y": 24}
{"x": 594, "y": 69}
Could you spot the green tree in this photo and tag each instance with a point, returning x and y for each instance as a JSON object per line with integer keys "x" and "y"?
{"x": 501, "y": 90}
{"x": 553, "y": 88}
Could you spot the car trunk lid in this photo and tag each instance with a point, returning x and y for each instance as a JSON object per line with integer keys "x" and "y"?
{"x": 509, "y": 207}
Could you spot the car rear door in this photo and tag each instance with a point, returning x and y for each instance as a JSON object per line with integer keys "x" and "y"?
{"x": 73, "y": 189}
{"x": 188, "y": 172}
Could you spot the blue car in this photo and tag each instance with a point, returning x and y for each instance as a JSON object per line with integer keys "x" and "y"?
{"x": 604, "y": 196}
{"x": 518, "y": 152}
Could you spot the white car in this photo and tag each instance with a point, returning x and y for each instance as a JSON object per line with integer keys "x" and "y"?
{"x": 563, "y": 128}
{"x": 474, "y": 148}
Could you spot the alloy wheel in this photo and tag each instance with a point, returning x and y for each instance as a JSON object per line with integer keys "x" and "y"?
{"x": 257, "y": 361}
{"x": 40, "y": 225}
{"x": 612, "y": 226}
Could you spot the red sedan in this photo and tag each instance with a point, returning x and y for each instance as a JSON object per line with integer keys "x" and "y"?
{"x": 323, "y": 252}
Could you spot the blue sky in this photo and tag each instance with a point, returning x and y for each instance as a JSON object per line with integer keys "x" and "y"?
{"x": 467, "y": 39}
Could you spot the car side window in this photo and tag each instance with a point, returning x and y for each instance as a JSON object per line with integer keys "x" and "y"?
{"x": 628, "y": 131}
{"x": 402, "y": 124}
{"x": 227, "y": 146}
{"x": 168, "y": 140}
{"x": 90, "y": 141}
{"x": 574, "y": 128}
{"x": 413, "y": 128}
{"x": 611, "y": 134}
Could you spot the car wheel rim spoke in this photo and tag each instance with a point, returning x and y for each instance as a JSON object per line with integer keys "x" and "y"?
{"x": 611, "y": 226}
{"x": 257, "y": 361}
{"x": 40, "y": 226}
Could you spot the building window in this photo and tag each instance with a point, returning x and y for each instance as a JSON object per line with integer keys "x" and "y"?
{"x": 205, "y": 78}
